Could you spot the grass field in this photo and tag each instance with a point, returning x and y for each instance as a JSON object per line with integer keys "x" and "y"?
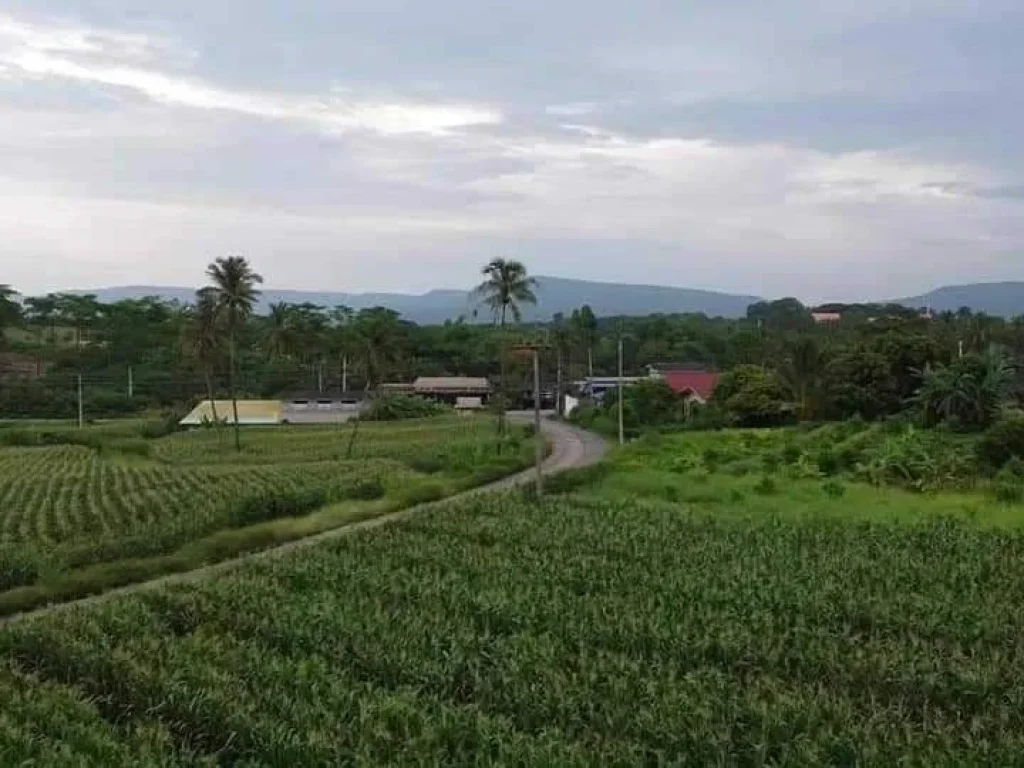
{"x": 727, "y": 621}
{"x": 85, "y": 509}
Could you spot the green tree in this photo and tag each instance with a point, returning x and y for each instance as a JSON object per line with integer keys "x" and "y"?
{"x": 204, "y": 343}
{"x": 235, "y": 292}
{"x": 10, "y": 310}
{"x": 801, "y": 370}
{"x": 859, "y": 382}
{"x": 752, "y": 396}
{"x": 584, "y": 327}
{"x": 280, "y": 336}
{"x": 505, "y": 288}
{"x": 967, "y": 393}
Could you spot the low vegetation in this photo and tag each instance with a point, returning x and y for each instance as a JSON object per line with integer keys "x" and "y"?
{"x": 724, "y": 598}
{"x": 82, "y": 510}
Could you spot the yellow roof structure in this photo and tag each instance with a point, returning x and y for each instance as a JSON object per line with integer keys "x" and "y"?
{"x": 249, "y": 412}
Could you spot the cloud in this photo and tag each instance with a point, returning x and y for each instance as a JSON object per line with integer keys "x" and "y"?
{"x": 845, "y": 150}
{"x": 46, "y": 52}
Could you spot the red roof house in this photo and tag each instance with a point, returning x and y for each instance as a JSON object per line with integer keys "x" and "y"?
{"x": 699, "y": 385}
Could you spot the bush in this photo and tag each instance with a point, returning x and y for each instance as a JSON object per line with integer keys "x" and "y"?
{"x": 422, "y": 494}
{"x": 395, "y": 407}
{"x": 277, "y": 504}
{"x": 827, "y": 462}
{"x": 833, "y": 489}
{"x": 427, "y": 465}
{"x": 1009, "y": 486}
{"x": 1001, "y": 442}
{"x": 765, "y": 486}
{"x": 19, "y": 567}
{"x": 366, "y": 489}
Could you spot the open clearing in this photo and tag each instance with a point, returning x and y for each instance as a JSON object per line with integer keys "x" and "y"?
{"x": 622, "y": 623}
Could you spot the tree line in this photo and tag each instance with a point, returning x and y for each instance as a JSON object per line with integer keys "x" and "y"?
{"x": 779, "y": 363}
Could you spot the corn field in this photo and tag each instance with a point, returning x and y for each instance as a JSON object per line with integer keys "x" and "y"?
{"x": 578, "y": 631}
{"x": 65, "y": 507}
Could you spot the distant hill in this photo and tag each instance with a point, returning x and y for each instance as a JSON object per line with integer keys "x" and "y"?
{"x": 554, "y": 294}
{"x": 1001, "y": 299}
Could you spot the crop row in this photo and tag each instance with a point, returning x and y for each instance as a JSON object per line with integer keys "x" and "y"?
{"x": 572, "y": 632}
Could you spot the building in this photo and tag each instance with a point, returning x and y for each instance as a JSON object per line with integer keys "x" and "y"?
{"x": 826, "y": 318}
{"x": 596, "y": 387}
{"x": 321, "y": 407}
{"x": 250, "y": 413}
{"x": 452, "y": 389}
{"x": 697, "y": 386}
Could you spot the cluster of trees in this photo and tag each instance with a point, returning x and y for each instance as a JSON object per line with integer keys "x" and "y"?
{"x": 780, "y": 364}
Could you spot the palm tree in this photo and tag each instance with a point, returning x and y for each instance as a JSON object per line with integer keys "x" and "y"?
{"x": 10, "y": 309}
{"x": 280, "y": 336}
{"x": 203, "y": 340}
{"x": 234, "y": 288}
{"x": 802, "y": 370}
{"x": 506, "y": 287}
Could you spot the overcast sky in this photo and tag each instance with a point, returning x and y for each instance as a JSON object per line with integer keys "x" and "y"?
{"x": 831, "y": 150}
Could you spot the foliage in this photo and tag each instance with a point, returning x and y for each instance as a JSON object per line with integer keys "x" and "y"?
{"x": 753, "y": 397}
{"x": 397, "y": 406}
{"x": 967, "y": 393}
{"x": 1002, "y": 441}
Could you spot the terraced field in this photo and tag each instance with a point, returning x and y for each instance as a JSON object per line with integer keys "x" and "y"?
{"x": 64, "y": 508}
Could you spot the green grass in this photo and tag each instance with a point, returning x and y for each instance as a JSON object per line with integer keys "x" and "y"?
{"x": 79, "y": 518}
{"x": 652, "y": 611}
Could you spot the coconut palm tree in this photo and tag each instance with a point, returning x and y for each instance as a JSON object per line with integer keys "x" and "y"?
{"x": 280, "y": 333}
{"x": 505, "y": 288}
{"x": 802, "y": 370}
{"x": 235, "y": 292}
{"x": 203, "y": 340}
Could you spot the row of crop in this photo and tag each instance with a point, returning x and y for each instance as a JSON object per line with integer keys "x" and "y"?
{"x": 577, "y": 631}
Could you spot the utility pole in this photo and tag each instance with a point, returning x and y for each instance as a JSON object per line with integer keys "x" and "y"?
{"x": 960, "y": 348}
{"x": 344, "y": 373}
{"x": 622, "y": 421}
{"x": 320, "y": 377}
{"x": 559, "y": 397}
{"x": 131, "y": 383}
{"x": 81, "y": 405}
{"x": 538, "y": 436}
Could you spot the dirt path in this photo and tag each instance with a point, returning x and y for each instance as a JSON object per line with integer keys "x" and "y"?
{"x": 571, "y": 448}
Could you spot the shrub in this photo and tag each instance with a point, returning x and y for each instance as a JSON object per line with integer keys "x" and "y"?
{"x": 19, "y": 567}
{"x": 277, "y": 504}
{"x": 833, "y": 489}
{"x": 827, "y": 462}
{"x": 394, "y": 407}
{"x": 1001, "y": 442}
{"x": 422, "y": 494}
{"x": 366, "y": 489}
{"x": 765, "y": 486}
{"x": 671, "y": 494}
{"x": 427, "y": 465}
{"x": 791, "y": 453}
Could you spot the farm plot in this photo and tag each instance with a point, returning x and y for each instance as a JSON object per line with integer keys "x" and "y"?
{"x": 65, "y": 508}
{"x": 574, "y": 632}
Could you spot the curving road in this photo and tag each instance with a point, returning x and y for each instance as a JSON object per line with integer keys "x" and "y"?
{"x": 571, "y": 448}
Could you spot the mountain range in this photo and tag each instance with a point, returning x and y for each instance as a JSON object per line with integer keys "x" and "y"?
{"x": 556, "y": 294}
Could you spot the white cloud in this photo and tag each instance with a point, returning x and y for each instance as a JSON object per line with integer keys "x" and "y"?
{"x": 108, "y": 59}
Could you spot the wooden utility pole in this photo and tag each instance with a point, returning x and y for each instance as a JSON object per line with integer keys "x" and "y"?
{"x": 344, "y": 373}
{"x": 538, "y": 436}
{"x": 622, "y": 423}
{"x": 131, "y": 383}
{"x": 81, "y": 404}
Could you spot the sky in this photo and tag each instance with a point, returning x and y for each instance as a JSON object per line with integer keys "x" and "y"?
{"x": 833, "y": 151}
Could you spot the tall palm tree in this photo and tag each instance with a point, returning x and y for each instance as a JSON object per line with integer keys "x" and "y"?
{"x": 802, "y": 370}
{"x": 505, "y": 288}
{"x": 234, "y": 287}
{"x": 203, "y": 339}
{"x": 280, "y": 334}
{"x": 10, "y": 309}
